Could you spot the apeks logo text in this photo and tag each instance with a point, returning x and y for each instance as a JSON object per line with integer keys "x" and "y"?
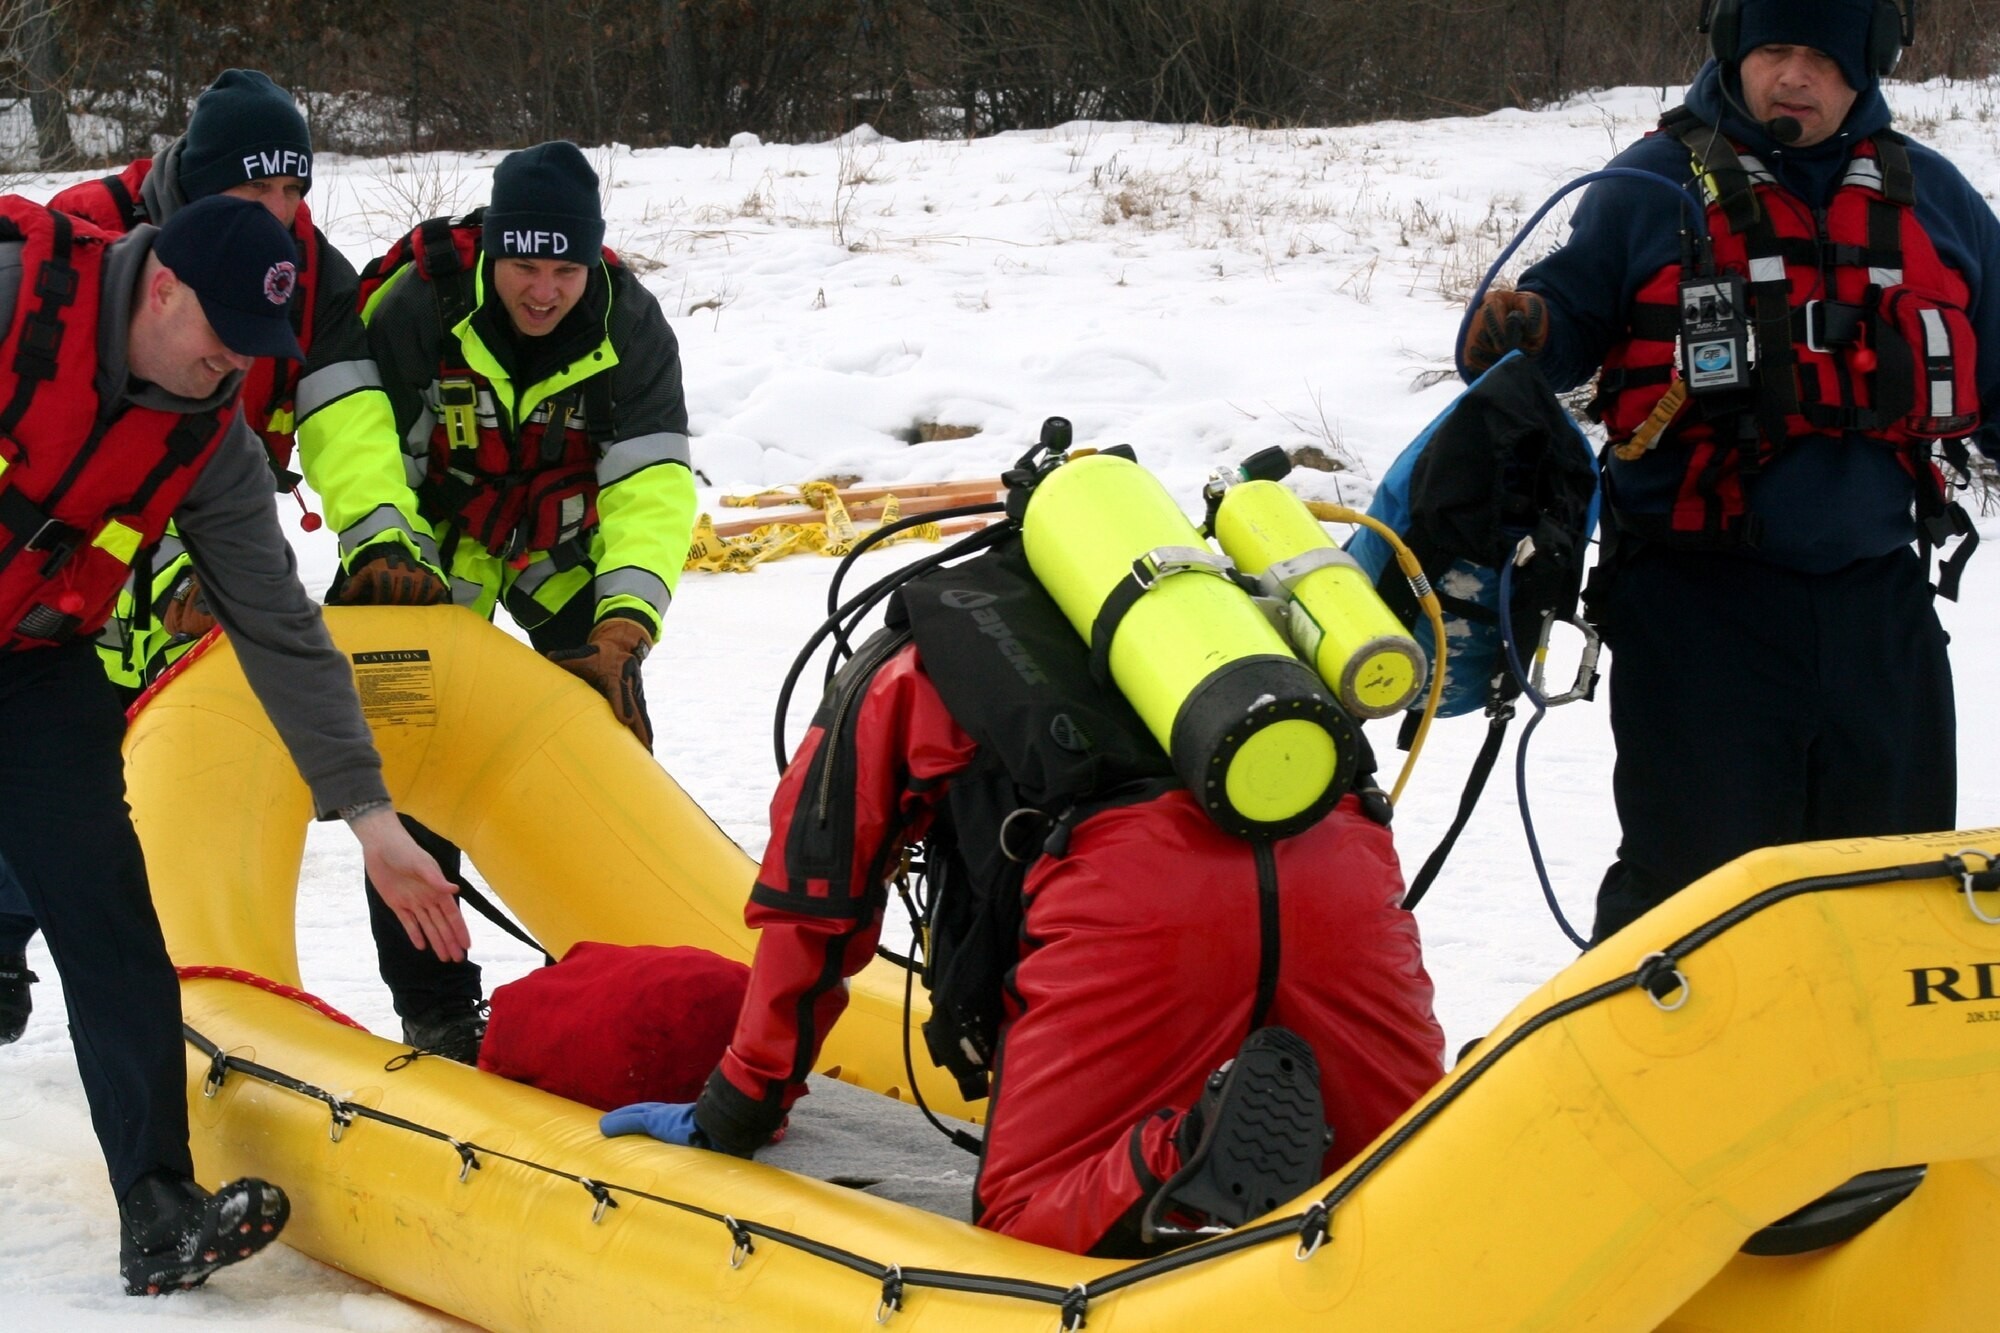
{"x": 979, "y": 605}
{"x": 1968, "y": 984}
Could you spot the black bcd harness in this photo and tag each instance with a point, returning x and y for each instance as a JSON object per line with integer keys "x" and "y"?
{"x": 1055, "y": 747}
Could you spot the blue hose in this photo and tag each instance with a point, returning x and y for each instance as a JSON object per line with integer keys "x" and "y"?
{"x": 1541, "y": 708}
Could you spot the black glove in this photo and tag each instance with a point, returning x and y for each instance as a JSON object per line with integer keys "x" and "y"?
{"x": 730, "y": 1122}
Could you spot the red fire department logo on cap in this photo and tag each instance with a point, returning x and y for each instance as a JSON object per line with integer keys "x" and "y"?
{"x": 279, "y": 280}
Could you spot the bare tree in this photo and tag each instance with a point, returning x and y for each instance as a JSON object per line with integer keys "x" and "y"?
{"x": 34, "y": 32}
{"x": 414, "y": 75}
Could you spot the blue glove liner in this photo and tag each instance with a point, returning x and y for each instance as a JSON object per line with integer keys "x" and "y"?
{"x": 669, "y": 1122}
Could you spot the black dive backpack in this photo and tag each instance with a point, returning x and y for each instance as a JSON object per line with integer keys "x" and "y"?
{"x": 1503, "y": 464}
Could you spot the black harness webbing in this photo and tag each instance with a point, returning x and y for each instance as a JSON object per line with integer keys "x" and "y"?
{"x": 56, "y": 286}
{"x": 132, "y": 210}
{"x": 1468, "y": 800}
{"x": 470, "y": 895}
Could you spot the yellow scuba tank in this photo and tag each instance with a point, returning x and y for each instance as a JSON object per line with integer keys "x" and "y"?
{"x": 1333, "y": 615}
{"x": 1252, "y": 732}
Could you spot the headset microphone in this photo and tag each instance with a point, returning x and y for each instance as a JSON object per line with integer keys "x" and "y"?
{"x": 1785, "y": 130}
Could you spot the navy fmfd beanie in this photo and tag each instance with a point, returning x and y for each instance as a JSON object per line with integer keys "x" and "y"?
{"x": 1837, "y": 27}
{"x": 544, "y": 206}
{"x": 244, "y": 128}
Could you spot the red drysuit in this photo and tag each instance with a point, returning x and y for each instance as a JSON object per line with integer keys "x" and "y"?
{"x": 1150, "y": 950}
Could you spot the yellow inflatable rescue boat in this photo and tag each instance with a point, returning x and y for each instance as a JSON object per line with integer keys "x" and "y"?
{"x": 1798, "y": 1018}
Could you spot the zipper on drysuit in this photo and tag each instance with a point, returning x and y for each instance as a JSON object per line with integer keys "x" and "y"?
{"x": 1267, "y": 932}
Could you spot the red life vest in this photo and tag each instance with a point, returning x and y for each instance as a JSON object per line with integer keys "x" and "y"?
{"x": 115, "y": 204}
{"x": 80, "y": 498}
{"x": 513, "y": 487}
{"x": 1860, "y": 327}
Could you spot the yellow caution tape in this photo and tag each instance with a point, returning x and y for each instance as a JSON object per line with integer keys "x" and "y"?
{"x": 834, "y": 533}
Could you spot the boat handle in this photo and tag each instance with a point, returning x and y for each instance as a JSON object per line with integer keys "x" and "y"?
{"x": 743, "y": 1246}
{"x": 892, "y": 1294}
{"x": 1313, "y": 1231}
{"x": 1967, "y": 883}
{"x": 1653, "y": 973}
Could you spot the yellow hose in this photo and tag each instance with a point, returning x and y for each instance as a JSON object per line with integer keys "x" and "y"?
{"x": 1413, "y": 570}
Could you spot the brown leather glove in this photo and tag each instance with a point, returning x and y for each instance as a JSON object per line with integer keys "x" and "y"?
{"x": 1503, "y": 322}
{"x": 386, "y": 575}
{"x": 186, "y": 613}
{"x": 610, "y": 662}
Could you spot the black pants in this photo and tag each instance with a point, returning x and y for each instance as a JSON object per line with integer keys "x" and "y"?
{"x": 1754, "y": 706}
{"x": 66, "y": 835}
{"x": 419, "y": 981}
{"x": 17, "y": 920}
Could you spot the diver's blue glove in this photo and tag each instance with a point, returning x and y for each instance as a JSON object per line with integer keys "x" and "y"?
{"x": 669, "y": 1122}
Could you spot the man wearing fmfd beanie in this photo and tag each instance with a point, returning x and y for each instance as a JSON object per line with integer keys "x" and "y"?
{"x": 244, "y": 128}
{"x": 1778, "y": 672}
{"x": 245, "y": 139}
{"x": 544, "y": 206}
{"x": 537, "y": 394}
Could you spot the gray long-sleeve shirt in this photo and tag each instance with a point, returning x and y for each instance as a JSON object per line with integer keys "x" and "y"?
{"x": 250, "y": 577}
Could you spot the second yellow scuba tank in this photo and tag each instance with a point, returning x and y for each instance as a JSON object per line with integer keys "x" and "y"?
{"x": 1252, "y": 732}
{"x": 1333, "y": 615}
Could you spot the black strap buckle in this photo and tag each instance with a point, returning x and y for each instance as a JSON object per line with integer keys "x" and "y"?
{"x": 41, "y": 340}
{"x": 56, "y": 284}
{"x": 1831, "y": 325}
{"x": 54, "y": 536}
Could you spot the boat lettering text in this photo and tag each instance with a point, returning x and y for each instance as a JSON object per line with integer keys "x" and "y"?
{"x": 1953, "y": 985}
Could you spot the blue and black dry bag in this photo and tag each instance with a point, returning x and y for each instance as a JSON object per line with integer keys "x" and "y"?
{"x": 1502, "y": 466}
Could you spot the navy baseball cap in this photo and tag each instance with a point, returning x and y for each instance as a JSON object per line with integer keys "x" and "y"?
{"x": 242, "y": 265}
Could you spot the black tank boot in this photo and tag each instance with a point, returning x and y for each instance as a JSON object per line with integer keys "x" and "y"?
{"x": 1255, "y": 1139}
{"x": 454, "y": 1029}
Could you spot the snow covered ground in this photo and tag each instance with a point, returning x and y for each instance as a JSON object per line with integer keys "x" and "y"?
{"x": 1198, "y": 293}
